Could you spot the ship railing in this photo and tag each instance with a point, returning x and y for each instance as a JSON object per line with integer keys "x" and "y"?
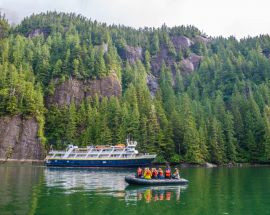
{"x": 70, "y": 151}
{"x": 53, "y": 154}
{"x": 111, "y": 152}
{"x": 146, "y": 155}
{"x": 99, "y": 153}
{"x": 57, "y": 152}
{"x": 121, "y": 153}
{"x": 89, "y": 152}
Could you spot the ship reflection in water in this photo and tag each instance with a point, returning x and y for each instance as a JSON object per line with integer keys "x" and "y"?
{"x": 153, "y": 194}
{"x": 107, "y": 183}
{"x": 99, "y": 181}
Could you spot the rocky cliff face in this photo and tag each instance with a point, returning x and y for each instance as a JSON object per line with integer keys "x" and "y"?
{"x": 18, "y": 136}
{"x": 131, "y": 54}
{"x": 191, "y": 63}
{"x": 187, "y": 65}
{"x": 152, "y": 83}
{"x": 180, "y": 43}
{"x": 77, "y": 90}
{"x": 38, "y": 32}
{"x": 18, "y": 139}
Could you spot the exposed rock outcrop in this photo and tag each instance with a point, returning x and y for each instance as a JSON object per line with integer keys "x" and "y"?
{"x": 200, "y": 38}
{"x": 77, "y": 90}
{"x": 181, "y": 42}
{"x": 159, "y": 58}
{"x": 152, "y": 83}
{"x": 131, "y": 54}
{"x": 37, "y": 32}
{"x": 195, "y": 60}
{"x": 103, "y": 47}
{"x": 187, "y": 66}
{"x": 191, "y": 63}
{"x": 19, "y": 140}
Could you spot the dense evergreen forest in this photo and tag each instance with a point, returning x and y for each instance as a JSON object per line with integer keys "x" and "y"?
{"x": 220, "y": 112}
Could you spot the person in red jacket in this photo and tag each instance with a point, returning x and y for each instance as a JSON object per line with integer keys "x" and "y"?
{"x": 139, "y": 172}
{"x": 154, "y": 173}
{"x": 168, "y": 172}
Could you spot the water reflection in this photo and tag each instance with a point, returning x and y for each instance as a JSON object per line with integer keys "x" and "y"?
{"x": 40, "y": 190}
{"x": 19, "y": 188}
{"x": 107, "y": 183}
{"x": 102, "y": 181}
{"x": 153, "y": 194}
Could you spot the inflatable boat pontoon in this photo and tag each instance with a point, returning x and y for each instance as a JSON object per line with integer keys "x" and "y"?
{"x": 153, "y": 182}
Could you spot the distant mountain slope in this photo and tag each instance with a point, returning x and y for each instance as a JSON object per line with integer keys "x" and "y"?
{"x": 179, "y": 93}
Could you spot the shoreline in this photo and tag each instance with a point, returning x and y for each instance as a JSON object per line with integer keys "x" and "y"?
{"x": 21, "y": 161}
{"x": 212, "y": 165}
{"x": 182, "y": 165}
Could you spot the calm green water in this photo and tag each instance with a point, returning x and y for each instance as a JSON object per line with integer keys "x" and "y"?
{"x": 28, "y": 189}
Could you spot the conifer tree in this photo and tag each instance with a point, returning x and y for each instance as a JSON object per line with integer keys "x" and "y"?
{"x": 99, "y": 65}
{"x": 266, "y": 145}
{"x": 154, "y": 43}
{"x": 216, "y": 148}
{"x": 230, "y": 142}
{"x": 147, "y": 61}
{"x": 190, "y": 133}
{"x": 71, "y": 124}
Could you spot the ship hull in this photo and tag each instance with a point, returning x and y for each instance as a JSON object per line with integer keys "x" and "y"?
{"x": 99, "y": 162}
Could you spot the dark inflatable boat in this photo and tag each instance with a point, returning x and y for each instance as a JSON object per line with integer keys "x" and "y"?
{"x": 153, "y": 182}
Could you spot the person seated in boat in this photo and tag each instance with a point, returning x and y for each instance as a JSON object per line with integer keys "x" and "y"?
{"x": 144, "y": 171}
{"x": 147, "y": 173}
{"x": 168, "y": 172}
{"x": 160, "y": 173}
{"x": 139, "y": 172}
{"x": 154, "y": 173}
{"x": 176, "y": 174}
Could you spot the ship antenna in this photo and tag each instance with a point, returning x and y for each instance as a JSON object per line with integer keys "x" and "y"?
{"x": 128, "y": 139}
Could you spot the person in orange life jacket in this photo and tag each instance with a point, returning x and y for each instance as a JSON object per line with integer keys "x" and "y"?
{"x": 154, "y": 173}
{"x": 147, "y": 173}
{"x": 139, "y": 172}
{"x": 168, "y": 172}
{"x": 160, "y": 174}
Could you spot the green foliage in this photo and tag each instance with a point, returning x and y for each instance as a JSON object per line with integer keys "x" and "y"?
{"x": 218, "y": 113}
{"x": 154, "y": 43}
{"x": 19, "y": 95}
{"x": 4, "y": 26}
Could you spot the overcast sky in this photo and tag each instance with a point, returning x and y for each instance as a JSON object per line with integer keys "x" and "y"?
{"x": 239, "y": 18}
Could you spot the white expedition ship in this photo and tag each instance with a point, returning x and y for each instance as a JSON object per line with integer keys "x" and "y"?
{"x": 100, "y": 156}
